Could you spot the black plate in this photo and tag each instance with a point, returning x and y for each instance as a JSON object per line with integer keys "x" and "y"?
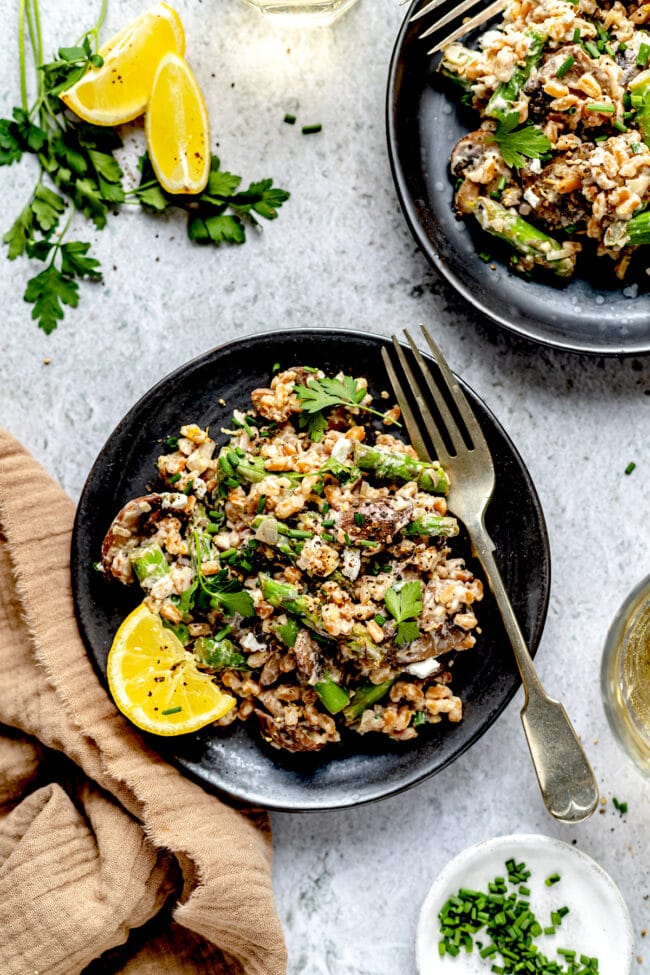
{"x": 235, "y": 762}
{"x": 591, "y": 313}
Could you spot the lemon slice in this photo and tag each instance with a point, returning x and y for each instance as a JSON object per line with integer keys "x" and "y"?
{"x": 155, "y": 682}
{"x": 119, "y": 90}
{"x": 177, "y": 128}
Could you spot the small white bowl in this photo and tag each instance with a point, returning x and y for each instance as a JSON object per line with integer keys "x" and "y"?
{"x": 598, "y": 923}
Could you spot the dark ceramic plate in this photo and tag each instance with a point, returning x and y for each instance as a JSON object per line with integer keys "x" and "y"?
{"x": 592, "y": 313}
{"x": 235, "y": 761}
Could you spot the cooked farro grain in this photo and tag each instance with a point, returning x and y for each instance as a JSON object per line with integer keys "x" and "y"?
{"x": 311, "y": 571}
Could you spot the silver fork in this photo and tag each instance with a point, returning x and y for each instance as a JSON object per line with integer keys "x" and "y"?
{"x": 464, "y": 7}
{"x": 565, "y": 777}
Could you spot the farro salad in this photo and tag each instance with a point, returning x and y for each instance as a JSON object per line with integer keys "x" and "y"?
{"x": 307, "y": 564}
{"x": 561, "y": 161}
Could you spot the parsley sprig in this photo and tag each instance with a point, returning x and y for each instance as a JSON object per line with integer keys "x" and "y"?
{"x": 220, "y": 591}
{"x": 320, "y": 395}
{"x": 517, "y": 145}
{"x": 222, "y": 211}
{"x": 404, "y": 603}
{"x": 80, "y": 174}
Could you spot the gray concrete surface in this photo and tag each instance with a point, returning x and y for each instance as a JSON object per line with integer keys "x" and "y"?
{"x": 350, "y": 884}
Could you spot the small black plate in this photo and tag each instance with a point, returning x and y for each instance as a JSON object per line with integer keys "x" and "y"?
{"x": 592, "y": 313}
{"x": 235, "y": 761}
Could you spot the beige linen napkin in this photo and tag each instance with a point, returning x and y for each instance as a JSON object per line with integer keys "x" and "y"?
{"x": 110, "y": 860}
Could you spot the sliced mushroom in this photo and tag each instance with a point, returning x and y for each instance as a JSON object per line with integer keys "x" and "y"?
{"x": 137, "y": 521}
{"x": 308, "y": 658}
{"x": 376, "y": 521}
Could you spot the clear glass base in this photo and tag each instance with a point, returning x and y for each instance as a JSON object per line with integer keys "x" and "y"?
{"x": 302, "y": 13}
{"x": 625, "y": 676}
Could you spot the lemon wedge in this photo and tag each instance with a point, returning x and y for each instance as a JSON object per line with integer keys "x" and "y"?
{"x": 155, "y": 682}
{"x": 177, "y": 128}
{"x": 119, "y": 90}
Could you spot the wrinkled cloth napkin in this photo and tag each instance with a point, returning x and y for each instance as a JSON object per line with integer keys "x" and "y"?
{"x": 110, "y": 860}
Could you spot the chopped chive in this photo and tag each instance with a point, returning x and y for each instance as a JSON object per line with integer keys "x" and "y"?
{"x": 275, "y": 367}
{"x": 630, "y": 467}
{"x": 379, "y": 619}
{"x": 592, "y": 49}
{"x": 636, "y": 148}
{"x": 359, "y": 519}
{"x": 566, "y": 66}
{"x": 643, "y": 55}
{"x": 311, "y": 129}
{"x": 621, "y": 807}
{"x": 554, "y": 878}
{"x": 620, "y": 126}
{"x": 171, "y": 442}
{"x": 576, "y": 35}
{"x": 484, "y": 256}
{"x": 261, "y": 504}
{"x": 289, "y": 119}
{"x": 600, "y": 107}
{"x": 173, "y": 479}
{"x": 175, "y": 710}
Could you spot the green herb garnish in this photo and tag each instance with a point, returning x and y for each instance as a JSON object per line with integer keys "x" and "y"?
{"x": 404, "y": 604}
{"x": 566, "y": 66}
{"x": 502, "y": 928}
{"x": 319, "y": 395}
{"x": 517, "y": 145}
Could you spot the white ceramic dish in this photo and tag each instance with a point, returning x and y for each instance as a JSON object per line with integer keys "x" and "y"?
{"x": 598, "y": 923}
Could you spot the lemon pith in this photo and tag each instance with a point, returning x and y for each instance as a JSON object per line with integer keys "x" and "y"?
{"x": 155, "y": 682}
{"x": 119, "y": 91}
{"x": 177, "y": 128}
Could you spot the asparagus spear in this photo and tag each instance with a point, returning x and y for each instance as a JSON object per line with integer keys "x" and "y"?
{"x": 401, "y": 467}
{"x": 501, "y": 104}
{"x": 149, "y": 563}
{"x": 523, "y": 236}
{"x": 365, "y": 698}
{"x": 640, "y": 95}
{"x": 433, "y": 525}
{"x": 638, "y": 228}
{"x": 218, "y": 654}
{"x": 333, "y": 696}
{"x": 284, "y": 596}
{"x": 235, "y": 467}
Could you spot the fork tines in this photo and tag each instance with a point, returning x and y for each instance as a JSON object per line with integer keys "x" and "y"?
{"x": 446, "y": 396}
{"x": 469, "y": 24}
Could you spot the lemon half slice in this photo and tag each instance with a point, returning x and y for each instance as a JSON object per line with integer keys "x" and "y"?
{"x": 119, "y": 90}
{"x": 177, "y": 128}
{"x": 155, "y": 682}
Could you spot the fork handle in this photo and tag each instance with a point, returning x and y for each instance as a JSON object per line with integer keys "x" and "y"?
{"x": 566, "y": 779}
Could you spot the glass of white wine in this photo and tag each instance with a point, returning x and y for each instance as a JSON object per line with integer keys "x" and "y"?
{"x": 303, "y": 13}
{"x": 625, "y": 675}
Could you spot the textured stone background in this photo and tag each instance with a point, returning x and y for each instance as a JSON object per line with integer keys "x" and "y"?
{"x": 349, "y": 884}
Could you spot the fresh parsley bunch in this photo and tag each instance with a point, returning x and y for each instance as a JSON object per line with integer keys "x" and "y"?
{"x": 79, "y": 173}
